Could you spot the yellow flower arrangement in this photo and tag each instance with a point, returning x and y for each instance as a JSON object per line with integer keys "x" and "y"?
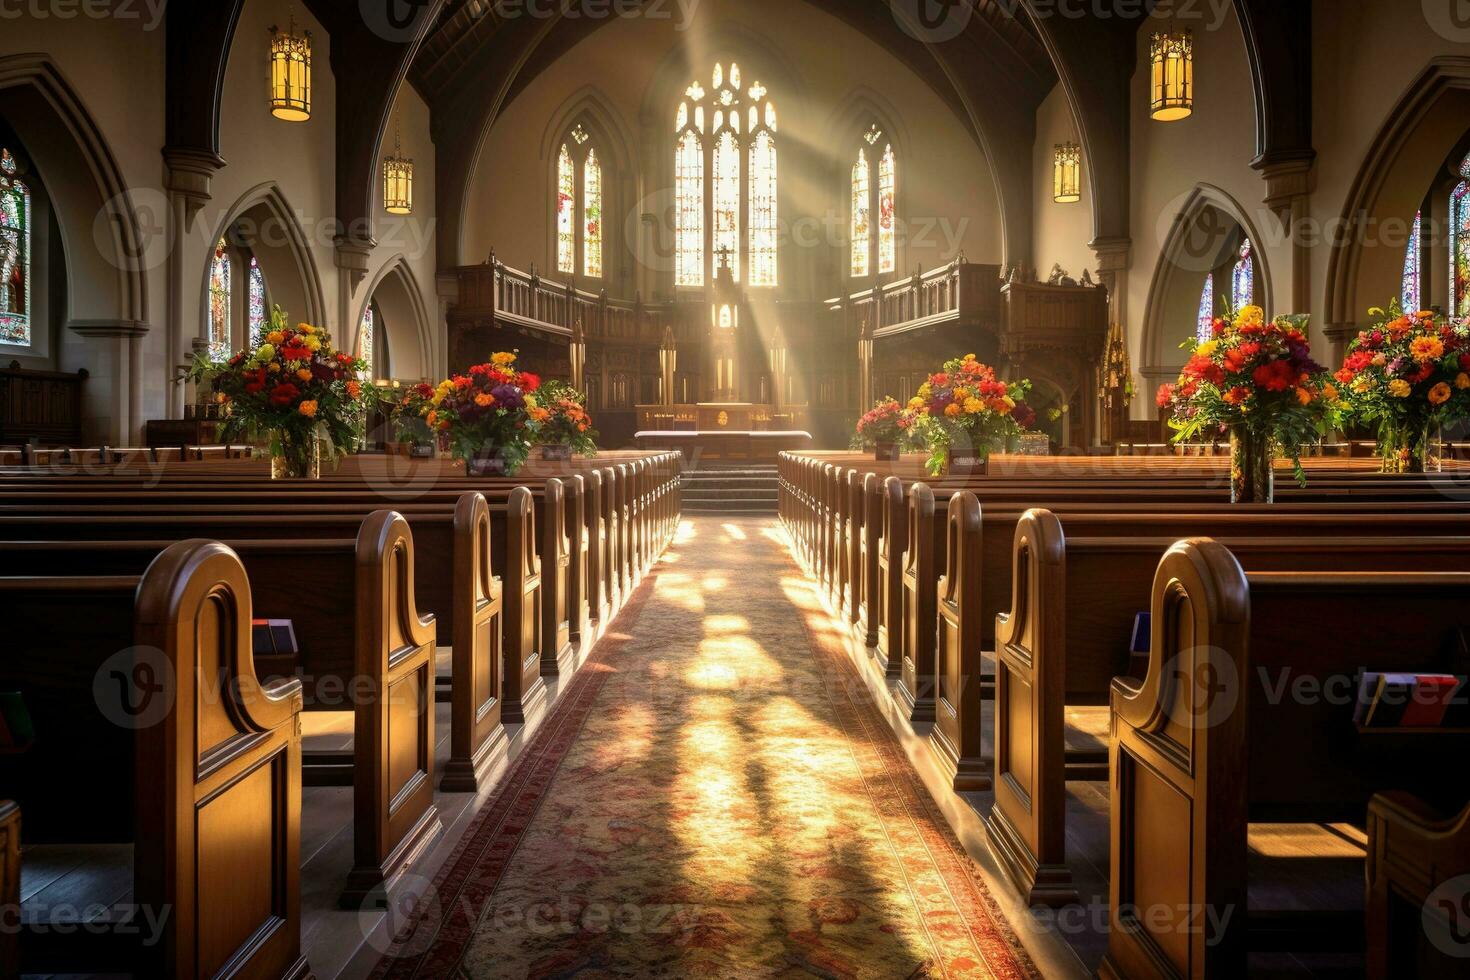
{"x": 1399, "y": 388}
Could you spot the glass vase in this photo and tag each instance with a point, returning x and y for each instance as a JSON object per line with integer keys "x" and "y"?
{"x": 885, "y": 452}
{"x": 1252, "y": 480}
{"x": 295, "y": 457}
{"x": 1412, "y": 448}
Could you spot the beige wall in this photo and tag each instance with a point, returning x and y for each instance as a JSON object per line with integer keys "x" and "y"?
{"x": 815, "y": 66}
{"x": 1062, "y": 231}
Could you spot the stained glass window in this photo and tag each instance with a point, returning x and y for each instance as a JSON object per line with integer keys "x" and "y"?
{"x": 566, "y": 207}
{"x": 592, "y": 216}
{"x": 1204, "y": 328}
{"x": 887, "y": 212}
{"x": 1410, "y": 294}
{"x": 1460, "y": 243}
{"x": 258, "y": 313}
{"x": 219, "y": 302}
{"x": 365, "y": 338}
{"x": 738, "y": 153}
{"x": 689, "y": 191}
{"x": 1243, "y": 277}
{"x": 862, "y": 231}
{"x": 15, "y": 253}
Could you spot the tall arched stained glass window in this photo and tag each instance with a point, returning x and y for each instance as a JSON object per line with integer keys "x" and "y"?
{"x": 566, "y": 209}
{"x": 1460, "y": 243}
{"x": 365, "y": 339}
{"x": 862, "y": 226}
{"x": 219, "y": 303}
{"x": 15, "y": 253}
{"x": 258, "y": 314}
{"x": 592, "y": 216}
{"x": 887, "y": 212}
{"x": 725, "y": 181}
{"x": 1204, "y": 327}
{"x": 764, "y": 208}
{"x": 1409, "y": 295}
{"x": 1243, "y": 277}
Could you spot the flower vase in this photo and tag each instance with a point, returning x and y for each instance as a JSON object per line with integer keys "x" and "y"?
{"x": 1252, "y": 480}
{"x": 556, "y": 453}
{"x": 1412, "y": 449}
{"x": 295, "y": 457}
{"x": 885, "y": 452}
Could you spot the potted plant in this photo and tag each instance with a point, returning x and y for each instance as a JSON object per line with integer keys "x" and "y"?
{"x": 1254, "y": 380}
{"x": 560, "y": 423}
{"x": 963, "y": 413}
{"x": 484, "y": 415}
{"x": 882, "y": 428}
{"x": 298, "y": 390}
{"x": 1404, "y": 374}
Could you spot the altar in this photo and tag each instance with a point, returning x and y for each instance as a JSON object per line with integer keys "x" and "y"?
{"x": 724, "y": 430}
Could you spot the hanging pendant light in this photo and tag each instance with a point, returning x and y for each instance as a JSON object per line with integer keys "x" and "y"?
{"x": 397, "y": 179}
{"x": 291, "y": 74}
{"x": 1067, "y": 174}
{"x": 1171, "y": 81}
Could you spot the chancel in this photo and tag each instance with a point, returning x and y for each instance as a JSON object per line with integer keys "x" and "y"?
{"x": 737, "y": 489}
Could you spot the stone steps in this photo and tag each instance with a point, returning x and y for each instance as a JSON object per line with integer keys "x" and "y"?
{"x": 730, "y": 489}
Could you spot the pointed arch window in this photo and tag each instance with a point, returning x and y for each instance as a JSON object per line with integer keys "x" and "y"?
{"x": 15, "y": 253}
{"x": 258, "y": 309}
{"x": 218, "y": 336}
{"x": 726, "y": 183}
{"x": 1204, "y": 328}
{"x": 579, "y": 205}
{"x": 1243, "y": 276}
{"x": 365, "y": 338}
{"x": 873, "y": 215}
{"x": 1409, "y": 294}
{"x": 1460, "y": 243}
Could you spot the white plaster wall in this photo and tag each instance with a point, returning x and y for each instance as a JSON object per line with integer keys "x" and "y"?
{"x": 1061, "y": 231}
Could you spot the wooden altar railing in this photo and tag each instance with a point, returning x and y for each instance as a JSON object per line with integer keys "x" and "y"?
{"x": 961, "y": 292}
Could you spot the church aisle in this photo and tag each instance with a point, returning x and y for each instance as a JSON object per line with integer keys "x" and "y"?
{"x": 714, "y": 796}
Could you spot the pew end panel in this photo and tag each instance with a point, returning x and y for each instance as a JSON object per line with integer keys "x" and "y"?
{"x": 229, "y": 797}
{"x": 891, "y": 633}
{"x": 1418, "y": 889}
{"x": 477, "y": 736}
{"x": 920, "y": 610}
{"x": 1026, "y": 825}
{"x": 956, "y": 736}
{"x": 525, "y": 688}
{"x": 395, "y": 819}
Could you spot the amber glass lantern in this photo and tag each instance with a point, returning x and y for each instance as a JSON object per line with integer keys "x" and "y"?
{"x": 1171, "y": 79}
{"x": 1067, "y": 174}
{"x": 291, "y": 74}
{"x": 397, "y": 181}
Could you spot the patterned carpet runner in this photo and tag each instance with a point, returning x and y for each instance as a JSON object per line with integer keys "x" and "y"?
{"x": 715, "y": 795}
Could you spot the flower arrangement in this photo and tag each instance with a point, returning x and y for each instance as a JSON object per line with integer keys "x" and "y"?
{"x": 484, "y": 413}
{"x": 298, "y": 388}
{"x": 964, "y": 406}
{"x": 884, "y": 423}
{"x": 1404, "y": 374}
{"x": 559, "y": 419}
{"x": 1254, "y": 379}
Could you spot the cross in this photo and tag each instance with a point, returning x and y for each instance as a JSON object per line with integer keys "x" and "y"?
{"x": 724, "y": 254}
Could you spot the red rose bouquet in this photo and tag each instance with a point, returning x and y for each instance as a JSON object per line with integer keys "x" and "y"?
{"x": 296, "y": 387}
{"x": 1407, "y": 374}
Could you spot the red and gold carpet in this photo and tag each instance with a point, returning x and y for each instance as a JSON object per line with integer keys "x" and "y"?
{"x": 714, "y": 796}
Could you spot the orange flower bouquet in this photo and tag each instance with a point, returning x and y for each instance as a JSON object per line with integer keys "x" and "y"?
{"x": 560, "y": 424}
{"x": 485, "y": 414}
{"x": 297, "y": 388}
{"x": 965, "y": 411}
{"x": 1407, "y": 374}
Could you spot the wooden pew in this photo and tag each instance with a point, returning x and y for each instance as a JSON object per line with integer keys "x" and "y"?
{"x": 1064, "y": 638}
{"x": 1418, "y": 883}
{"x": 1198, "y": 746}
{"x": 189, "y": 757}
{"x": 9, "y": 886}
{"x": 363, "y": 647}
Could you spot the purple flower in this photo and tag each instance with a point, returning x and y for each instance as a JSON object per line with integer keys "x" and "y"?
{"x": 508, "y": 397}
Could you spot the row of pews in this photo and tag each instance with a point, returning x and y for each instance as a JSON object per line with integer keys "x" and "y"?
{"x": 1000, "y": 608}
{"x": 167, "y": 755}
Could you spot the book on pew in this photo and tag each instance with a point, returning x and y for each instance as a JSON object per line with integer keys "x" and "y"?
{"x": 1400, "y": 700}
{"x": 1142, "y": 634}
{"x": 273, "y": 638}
